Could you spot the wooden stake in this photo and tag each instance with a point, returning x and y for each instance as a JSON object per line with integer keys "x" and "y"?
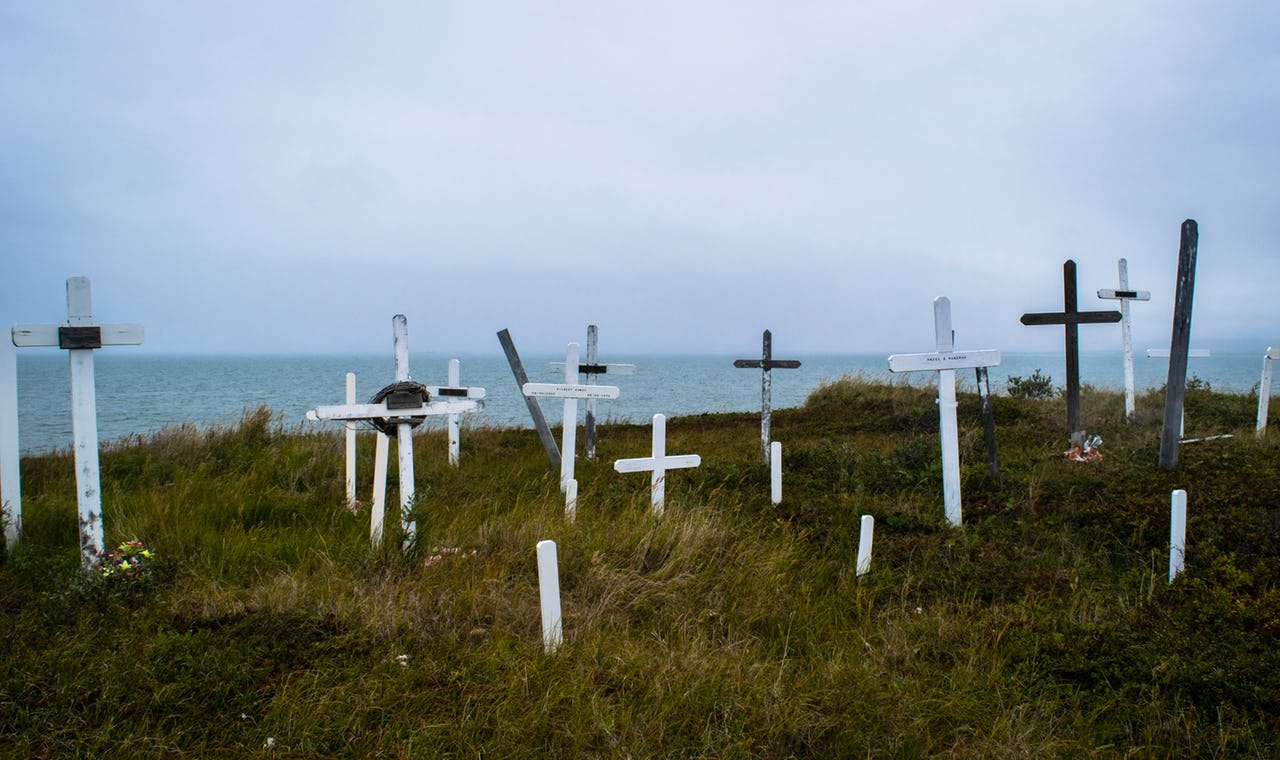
{"x": 549, "y": 596}
{"x": 775, "y": 472}
{"x": 351, "y": 444}
{"x": 866, "y": 535}
{"x": 1264, "y": 388}
{"x": 1179, "y": 344}
{"x": 10, "y": 468}
{"x": 1177, "y": 533}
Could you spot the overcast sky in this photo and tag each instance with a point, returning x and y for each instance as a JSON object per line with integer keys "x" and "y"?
{"x": 250, "y": 177}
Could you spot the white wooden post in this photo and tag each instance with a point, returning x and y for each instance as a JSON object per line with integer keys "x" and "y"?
{"x": 404, "y": 408}
{"x": 80, "y": 337}
{"x": 571, "y": 501}
{"x": 658, "y": 464}
{"x": 378, "y": 511}
{"x": 455, "y": 380}
{"x": 1192, "y": 353}
{"x": 945, "y": 361}
{"x": 571, "y": 390}
{"x": 775, "y": 472}
{"x": 351, "y": 444}
{"x": 1124, "y": 295}
{"x": 549, "y": 596}
{"x": 865, "y": 537}
{"x": 1177, "y": 533}
{"x": 592, "y": 369}
{"x": 10, "y": 456}
{"x": 1264, "y": 388}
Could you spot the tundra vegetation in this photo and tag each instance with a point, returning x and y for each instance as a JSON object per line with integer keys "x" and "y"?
{"x": 264, "y": 622}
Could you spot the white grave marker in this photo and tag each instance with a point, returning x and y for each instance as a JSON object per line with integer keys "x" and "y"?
{"x": 401, "y": 406}
{"x": 592, "y": 369}
{"x": 945, "y": 361}
{"x": 549, "y": 596}
{"x": 351, "y": 444}
{"x": 1264, "y": 388}
{"x": 1177, "y": 533}
{"x": 1124, "y": 296}
{"x": 454, "y": 390}
{"x": 80, "y": 336}
{"x": 658, "y": 464}
{"x": 866, "y": 535}
{"x": 775, "y": 472}
{"x": 571, "y": 390}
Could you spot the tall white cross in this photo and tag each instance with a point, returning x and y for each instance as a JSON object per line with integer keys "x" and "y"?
{"x": 1124, "y": 296}
{"x": 80, "y": 336}
{"x": 402, "y": 407}
{"x": 945, "y": 361}
{"x": 591, "y": 370}
{"x": 571, "y": 390}
{"x": 658, "y": 463}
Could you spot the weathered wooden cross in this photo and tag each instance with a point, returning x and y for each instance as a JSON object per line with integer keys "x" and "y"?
{"x": 1264, "y": 389}
{"x": 570, "y": 390}
{"x": 945, "y": 361}
{"x": 401, "y": 407}
{"x": 79, "y": 337}
{"x": 1124, "y": 296}
{"x": 591, "y": 370}
{"x": 766, "y": 363}
{"x": 1071, "y": 318}
{"x": 658, "y": 464}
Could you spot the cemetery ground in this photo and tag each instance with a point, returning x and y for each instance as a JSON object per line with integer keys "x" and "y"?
{"x": 729, "y": 627}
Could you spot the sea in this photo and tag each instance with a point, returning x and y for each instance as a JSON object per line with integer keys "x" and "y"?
{"x": 141, "y": 394}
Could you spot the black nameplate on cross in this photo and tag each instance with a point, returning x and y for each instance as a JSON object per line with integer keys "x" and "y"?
{"x": 1071, "y": 318}
{"x": 765, "y": 363}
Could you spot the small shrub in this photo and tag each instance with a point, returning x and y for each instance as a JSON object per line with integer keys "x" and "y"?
{"x": 1034, "y": 386}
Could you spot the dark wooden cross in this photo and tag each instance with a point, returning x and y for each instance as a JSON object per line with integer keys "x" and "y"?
{"x": 766, "y": 362}
{"x": 1071, "y": 318}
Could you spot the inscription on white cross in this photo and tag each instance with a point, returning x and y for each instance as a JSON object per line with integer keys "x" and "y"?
{"x": 401, "y": 407}
{"x": 571, "y": 391}
{"x": 945, "y": 361}
{"x": 80, "y": 337}
{"x": 1124, "y": 295}
{"x": 658, "y": 463}
{"x": 591, "y": 370}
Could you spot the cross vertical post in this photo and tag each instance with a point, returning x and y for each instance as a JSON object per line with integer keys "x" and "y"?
{"x": 1071, "y": 318}
{"x": 1124, "y": 295}
{"x": 404, "y": 432}
{"x": 454, "y": 380}
{"x": 351, "y": 444}
{"x": 589, "y": 425}
{"x": 10, "y": 458}
{"x": 1264, "y": 389}
{"x": 1179, "y": 343}
{"x": 766, "y": 363}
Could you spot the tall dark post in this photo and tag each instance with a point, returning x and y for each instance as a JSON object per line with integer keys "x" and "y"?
{"x": 1179, "y": 344}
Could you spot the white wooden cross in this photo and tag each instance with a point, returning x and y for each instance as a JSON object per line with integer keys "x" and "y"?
{"x": 454, "y": 390}
{"x": 80, "y": 336}
{"x": 10, "y": 475}
{"x": 945, "y": 361}
{"x": 1124, "y": 295}
{"x": 658, "y": 463}
{"x": 571, "y": 390}
{"x": 591, "y": 369}
{"x": 404, "y": 405}
{"x": 1264, "y": 388}
{"x": 1192, "y": 353}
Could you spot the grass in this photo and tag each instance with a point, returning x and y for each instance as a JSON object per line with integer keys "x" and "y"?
{"x": 729, "y": 627}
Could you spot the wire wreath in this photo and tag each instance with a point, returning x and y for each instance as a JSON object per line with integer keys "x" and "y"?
{"x": 405, "y": 391}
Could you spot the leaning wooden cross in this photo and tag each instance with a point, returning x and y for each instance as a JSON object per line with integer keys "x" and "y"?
{"x": 658, "y": 464}
{"x": 571, "y": 391}
{"x": 766, "y": 363}
{"x": 1071, "y": 318}
{"x": 1124, "y": 296}
{"x": 945, "y": 361}
{"x": 591, "y": 370}
{"x": 80, "y": 337}
{"x": 401, "y": 407}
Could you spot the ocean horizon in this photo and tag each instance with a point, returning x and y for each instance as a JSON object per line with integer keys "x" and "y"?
{"x": 141, "y": 394}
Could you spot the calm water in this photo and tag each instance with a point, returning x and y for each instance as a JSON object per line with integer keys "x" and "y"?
{"x": 142, "y": 394}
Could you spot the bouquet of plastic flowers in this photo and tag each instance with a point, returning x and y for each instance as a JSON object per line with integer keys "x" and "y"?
{"x": 131, "y": 560}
